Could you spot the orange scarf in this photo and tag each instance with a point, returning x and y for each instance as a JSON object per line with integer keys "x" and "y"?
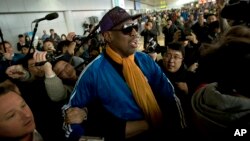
{"x": 140, "y": 88}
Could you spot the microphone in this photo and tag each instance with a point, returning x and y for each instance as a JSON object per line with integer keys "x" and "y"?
{"x": 1, "y": 35}
{"x": 50, "y": 16}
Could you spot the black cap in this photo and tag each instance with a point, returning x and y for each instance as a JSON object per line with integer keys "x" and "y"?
{"x": 114, "y": 17}
{"x": 237, "y": 11}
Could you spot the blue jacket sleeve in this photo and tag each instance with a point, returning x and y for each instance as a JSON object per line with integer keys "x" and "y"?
{"x": 80, "y": 97}
{"x": 77, "y": 132}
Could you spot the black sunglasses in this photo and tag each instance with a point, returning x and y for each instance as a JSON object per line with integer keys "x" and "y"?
{"x": 127, "y": 28}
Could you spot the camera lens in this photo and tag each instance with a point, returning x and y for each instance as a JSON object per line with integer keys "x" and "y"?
{"x": 78, "y": 37}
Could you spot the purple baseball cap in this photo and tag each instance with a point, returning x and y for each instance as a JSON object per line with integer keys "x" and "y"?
{"x": 114, "y": 17}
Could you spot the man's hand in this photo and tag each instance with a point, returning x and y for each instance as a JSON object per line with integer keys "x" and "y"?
{"x": 17, "y": 72}
{"x": 75, "y": 115}
{"x": 220, "y": 4}
{"x": 177, "y": 36}
{"x": 70, "y": 36}
{"x": 7, "y": 56}
{"x": 40, "y": 57}
{"x": 192, "y": 38}
{"x": 134, "y": 128}
{"x": 182, "y": 86}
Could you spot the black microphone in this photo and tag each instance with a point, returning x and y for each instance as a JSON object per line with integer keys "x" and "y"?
{"x": 50, "y": 16}
{"x": 1, "y": 35}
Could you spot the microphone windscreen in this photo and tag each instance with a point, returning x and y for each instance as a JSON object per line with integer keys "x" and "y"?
{"x": 51, "y": 16}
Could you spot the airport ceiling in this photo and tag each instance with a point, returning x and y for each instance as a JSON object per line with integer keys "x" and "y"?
{"x": 156, "y": 2}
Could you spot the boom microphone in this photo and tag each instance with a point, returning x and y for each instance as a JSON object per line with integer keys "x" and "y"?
{"x": 1, "y": 35}
{"x": 50, "y": 16}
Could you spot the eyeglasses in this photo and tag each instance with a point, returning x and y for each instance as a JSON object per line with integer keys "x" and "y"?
{"x": 170, "y": 56}
{"x": 127, "y": 28}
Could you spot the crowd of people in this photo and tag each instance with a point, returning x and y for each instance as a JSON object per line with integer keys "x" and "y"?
{"x": 101, "y": 87}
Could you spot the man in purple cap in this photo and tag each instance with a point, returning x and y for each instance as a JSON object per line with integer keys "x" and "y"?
{"x": 127, "y": 95}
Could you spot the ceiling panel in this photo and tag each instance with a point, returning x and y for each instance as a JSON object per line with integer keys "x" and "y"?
{"x": 156, "y": 2}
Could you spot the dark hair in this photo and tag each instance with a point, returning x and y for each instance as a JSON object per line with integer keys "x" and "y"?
{"x": 213, "y": 25}
{"x": 48, "y": 40}
{"x": 210, "y": 14}
{"x": 61, "y": 45}
{"x": 26, "y": 46}
{"x": 5, "y": 42}
{"x": 177, "y": 47}
{"x": 8, "y": 86}
{"x": 20, "y": 35}
{"x": 237, "y": 10}
{"x": 147, "y": 23}
{"x": 4, "y": 90}
{"x": 169, "y": 20}
{"x": 63, "y": 35}
{"x": 227, "y": 62}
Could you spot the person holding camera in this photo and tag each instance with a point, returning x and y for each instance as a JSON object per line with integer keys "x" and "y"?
{"x": 191, "y": 45}
{"x": 148, "y": 33}
{"x": 168, "y": 30}
{"x": 8, "y": 57}
{"x": 150, "y": 40}
{"x": 67, "y": 49}
{"x": 8, "y": 53}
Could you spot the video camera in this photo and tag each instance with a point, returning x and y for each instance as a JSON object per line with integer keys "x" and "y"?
{"x": 50, "y": 57}
{"x": 151, "y": 47}
{"x": 79, "y": 38}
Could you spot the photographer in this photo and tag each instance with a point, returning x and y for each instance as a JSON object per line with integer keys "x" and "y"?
{"x": 66, "y": 49}
{"x": 148, "y": 33}
{"x": 88, "y": 48}
{"x": 8, "y": 57}
{"x": 168, "y": 30}
{"x": 82, "y": 49}
{"x": 152, "y": 49}
{"x": 191, "y": 45}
